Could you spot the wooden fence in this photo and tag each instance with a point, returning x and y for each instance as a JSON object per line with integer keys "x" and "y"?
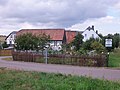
{"x": 5, "y": 52}
{"x": 97, "y": 60}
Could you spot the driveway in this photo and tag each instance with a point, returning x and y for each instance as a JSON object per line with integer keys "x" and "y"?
{"x": 101, "y": 73}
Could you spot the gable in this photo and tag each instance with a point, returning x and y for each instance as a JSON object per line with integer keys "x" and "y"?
{"x": 12, "y": 33}
{"x": 89, "y": 34}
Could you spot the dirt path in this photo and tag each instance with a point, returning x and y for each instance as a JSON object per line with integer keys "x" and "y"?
{"x": 101, "y": 73}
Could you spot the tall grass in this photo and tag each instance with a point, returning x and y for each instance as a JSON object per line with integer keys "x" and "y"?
{"x": 114, "y": 58}
{"x": 19, "y": 80}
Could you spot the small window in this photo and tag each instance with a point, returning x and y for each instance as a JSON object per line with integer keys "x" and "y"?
{"x": 85, "y": 35}
{"x": 10, "y": 42}
{"x": 92, "y": 35}
{"x": 11, "y": 36}
{"x": 14, "y": 36}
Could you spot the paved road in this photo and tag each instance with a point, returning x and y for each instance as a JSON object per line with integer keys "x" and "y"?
{"x": 101, "y": 73}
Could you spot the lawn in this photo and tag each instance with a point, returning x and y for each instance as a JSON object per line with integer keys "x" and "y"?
{"x": 21, "y": 80}
{"x": 8, "y": 59}
{"x": 114, "y": 59}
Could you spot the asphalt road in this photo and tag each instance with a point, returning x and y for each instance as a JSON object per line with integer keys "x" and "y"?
{"x": 101, "y": 73}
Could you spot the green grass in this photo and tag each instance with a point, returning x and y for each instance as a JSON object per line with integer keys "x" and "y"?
{"x": 8, "y": 59}
{"x": 114, "y": 59}
{"x": 20, "y": 80}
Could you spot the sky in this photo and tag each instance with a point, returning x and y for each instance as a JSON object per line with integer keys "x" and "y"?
{"x": 69, "y": 14}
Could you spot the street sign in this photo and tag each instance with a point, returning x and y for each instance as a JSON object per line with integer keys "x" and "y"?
{"x": 108, "y": 42}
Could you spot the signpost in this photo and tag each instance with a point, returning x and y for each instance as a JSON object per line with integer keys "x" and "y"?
{"x": 108, "y": 43}
{"x": 46, "y": 54}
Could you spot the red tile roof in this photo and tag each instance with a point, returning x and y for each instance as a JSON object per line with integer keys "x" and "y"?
{"x": 55, "y": 34}
{"x": 70, "y": 36}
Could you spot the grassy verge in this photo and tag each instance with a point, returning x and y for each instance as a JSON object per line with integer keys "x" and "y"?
{"x": 20, "y": 80}
{"x": 114, "y": 59}
{"x": 8, "y": 59}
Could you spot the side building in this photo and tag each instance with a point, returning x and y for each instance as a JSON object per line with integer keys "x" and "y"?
{"x": 10, "y": 39}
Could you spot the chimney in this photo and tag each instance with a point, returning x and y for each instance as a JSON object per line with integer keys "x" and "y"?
{"x": 88, "y": 28}
{"x": 97, "y": 31}
{"x": 92, "y": 27}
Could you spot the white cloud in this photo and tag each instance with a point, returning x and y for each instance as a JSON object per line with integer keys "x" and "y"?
{"x": 17, "y": 14}
{"x": 63, "y": 12}
{"x": 105, "y": 25}
{"x": 117, "y": 5}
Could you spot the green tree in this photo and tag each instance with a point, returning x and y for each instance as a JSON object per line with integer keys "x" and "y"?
{"x": 93, "y": 44}
{"x": 116, "y": 38}
{"x": 4, "y": 45}
{"x": 42, "y": 41}
{"x": 29, "y": 41}
{"x": 25, "y": 42}
{"x": 87, "y": 44}
{"x": 78, "y": 41}
{"x": 102, "y": 39}
{"x": 98, "y": 47}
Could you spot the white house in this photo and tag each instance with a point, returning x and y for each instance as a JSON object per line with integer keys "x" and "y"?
{"x": 10, "y": 39}
{"x": 90, "y": 33}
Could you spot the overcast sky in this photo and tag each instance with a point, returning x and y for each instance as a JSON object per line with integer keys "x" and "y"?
{"x": 68, "y": 14}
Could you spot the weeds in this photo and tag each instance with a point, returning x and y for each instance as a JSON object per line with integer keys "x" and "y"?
{"x": 19, "y": 80}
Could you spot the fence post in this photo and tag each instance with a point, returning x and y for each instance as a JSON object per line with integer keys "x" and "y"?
{"x": 107, "y": 59}
{"x": 46, "y": 55}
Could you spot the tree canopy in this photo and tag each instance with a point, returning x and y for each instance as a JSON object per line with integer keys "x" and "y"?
{"x": 93, "y": 44}
{"x": 115, "y": 40}
{"x": 29, "y": 41}
{"x": 78, "y": 41}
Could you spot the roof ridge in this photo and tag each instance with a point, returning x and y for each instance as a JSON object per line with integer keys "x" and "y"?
{"x": 44, "y": 29}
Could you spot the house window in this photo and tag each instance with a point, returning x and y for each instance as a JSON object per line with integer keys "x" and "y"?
{"x": 92, "y": 35}
{"x": 14, "y": 36}
{"x": 85, "y": 35}
{"x": 11, "y": 36}
{"x": 55, "y": 43}
{"x": 10, "y": 42}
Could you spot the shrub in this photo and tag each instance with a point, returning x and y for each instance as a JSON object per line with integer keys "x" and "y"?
{"x": 98, "y": 47}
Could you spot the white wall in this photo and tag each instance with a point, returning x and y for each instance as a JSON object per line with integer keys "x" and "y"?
{"x": 56, "y": 45}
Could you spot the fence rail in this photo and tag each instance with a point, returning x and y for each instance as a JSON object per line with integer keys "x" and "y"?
{"x": 83, "y": 60}
{"x": 5, "y": 52}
